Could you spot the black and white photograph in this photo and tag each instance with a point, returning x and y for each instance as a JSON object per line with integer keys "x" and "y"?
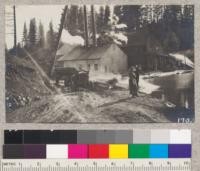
{"x": 99, "y": 63}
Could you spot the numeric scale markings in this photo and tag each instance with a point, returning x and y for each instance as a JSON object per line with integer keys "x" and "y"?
{"x": 97, "y": 165}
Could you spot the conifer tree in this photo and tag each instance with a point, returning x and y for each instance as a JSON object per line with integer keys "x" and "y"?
{"x": 107, "y": 15}
{"x": 41, "y": 37}
{"x": 100, "y": 20}
{"x": 32, "y": 33}
{"x": 51, "y": 37}
{"x": 25, "y": 35}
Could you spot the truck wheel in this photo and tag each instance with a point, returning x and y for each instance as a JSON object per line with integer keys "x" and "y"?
{"x": 66, "y": 83}
{"x": 57, "y": 82}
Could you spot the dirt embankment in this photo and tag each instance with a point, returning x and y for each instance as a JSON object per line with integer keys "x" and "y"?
{"x": 24, "y": 83}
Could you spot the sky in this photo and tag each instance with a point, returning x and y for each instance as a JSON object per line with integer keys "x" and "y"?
{"x": 43, "y": 13}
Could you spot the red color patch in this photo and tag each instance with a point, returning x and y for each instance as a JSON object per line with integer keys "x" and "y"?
{"x": 98, "y": 151}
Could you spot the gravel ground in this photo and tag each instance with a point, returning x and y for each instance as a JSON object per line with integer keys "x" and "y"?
{"x": 108, "y": 106}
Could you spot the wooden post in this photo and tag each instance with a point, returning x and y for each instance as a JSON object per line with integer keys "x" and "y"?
{"x": 15, "y": 31}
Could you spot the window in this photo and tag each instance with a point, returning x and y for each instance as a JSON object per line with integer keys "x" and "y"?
{"x": 80, "y": 67}
{"x": 60, "y": 64}
{"x": 88, "y": 67}
{"x": 96, "y": 67}
{"x": 106, "y": 69}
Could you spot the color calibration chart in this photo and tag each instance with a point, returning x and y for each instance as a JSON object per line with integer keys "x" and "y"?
{"x": 98, "y": 149}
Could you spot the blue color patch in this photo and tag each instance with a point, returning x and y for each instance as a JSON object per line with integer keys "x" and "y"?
{"x": 158, "y": 151}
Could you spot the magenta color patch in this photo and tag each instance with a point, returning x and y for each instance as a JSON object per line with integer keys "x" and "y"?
{"x": 77, "y": 151}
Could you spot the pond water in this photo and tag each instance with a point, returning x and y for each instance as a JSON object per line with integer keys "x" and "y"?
{"x": 177, "y": 89}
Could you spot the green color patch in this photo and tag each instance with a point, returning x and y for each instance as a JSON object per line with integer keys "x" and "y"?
{"x": 138, "y": 151}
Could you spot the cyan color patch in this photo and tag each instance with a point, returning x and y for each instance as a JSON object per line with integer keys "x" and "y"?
{"x": 158, "y": 151}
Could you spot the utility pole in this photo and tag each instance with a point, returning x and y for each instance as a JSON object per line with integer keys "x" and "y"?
{"x": 15, "y": 31}
{"x": 62, "y": 22}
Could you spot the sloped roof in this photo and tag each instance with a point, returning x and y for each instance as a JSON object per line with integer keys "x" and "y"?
{"x": 65, "y": 48}
{"x": 82, "y": 53}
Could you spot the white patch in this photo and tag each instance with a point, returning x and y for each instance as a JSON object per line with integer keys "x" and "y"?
{"x": 56, "y": 151}
{"x": 72, "y": 40}
{"x": 119, "y": 37}
{"x": 182, "y": 136}
{"x": 183, "y": 59}
{"x": 145, "y": 86}
{"x": 121, "y": 26}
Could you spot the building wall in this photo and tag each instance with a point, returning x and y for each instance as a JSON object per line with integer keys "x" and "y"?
{"x": 114, "y": 61}
{"x": 88, "y": 65}
{"x": 76, "y": 64}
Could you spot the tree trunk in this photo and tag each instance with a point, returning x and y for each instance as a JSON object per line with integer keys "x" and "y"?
{"x": 93, "y": 27}
{"x": 86, "y": 27}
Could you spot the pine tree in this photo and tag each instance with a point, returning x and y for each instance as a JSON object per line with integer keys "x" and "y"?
{"x": 188, "y": 14}
{"x": 132, "y": 16}
{"x": 80, "y": 20}
{"x": 187, "y": 35}
{"x": 129, "y": 15}
{"x": 100, "y": 20}
{"x": 118, "y": 11}
{"x": 72, "y": 19}
{"x": 158, "y": 12}
{"x": 171, "y": 15}
{"x": 41, "y": 37}
{"x": 32, "y": 33}
{"x": 51, "y": 37}
{"x": 25, "y": 35}
{"x": 93, "y": 18}
{"x": 107, "y": 16}
{"x": 171, "y": 42}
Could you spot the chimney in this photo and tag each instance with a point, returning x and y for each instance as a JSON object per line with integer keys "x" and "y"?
{"x": 93, "y": 27}
{"x": 86, "y": 27}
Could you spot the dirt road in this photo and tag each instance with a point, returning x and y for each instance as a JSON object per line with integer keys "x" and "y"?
{"x": 110, "y": 106}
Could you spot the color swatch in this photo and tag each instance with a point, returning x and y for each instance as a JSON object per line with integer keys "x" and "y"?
{"x": 158, "y": 151}
{"x": 98, "y": 151}
{"x": 97, "y": 144}
{"x": 154, "y": 136}
{"x": 34, "y": 151}
{"x": 139, "y": 151}
{"x": 56, "y": 151}
{"x": 78, "y": 151}
{"x": 104, "y": 151}
{"x": 118, "y": 151}
{"x": 180, "y": 151}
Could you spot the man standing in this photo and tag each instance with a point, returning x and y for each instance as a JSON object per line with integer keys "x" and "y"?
{"x": 132, "y": 81}
{"x": 137, "y": 74}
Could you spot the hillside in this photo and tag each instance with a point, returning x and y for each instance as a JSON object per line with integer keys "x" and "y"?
{"x": 24, "y": 83}
{"x": 44, "y": 58}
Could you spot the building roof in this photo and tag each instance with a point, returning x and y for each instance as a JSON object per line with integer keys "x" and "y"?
{"x": 70, "y": 53}
{"x": 65, "y": 49}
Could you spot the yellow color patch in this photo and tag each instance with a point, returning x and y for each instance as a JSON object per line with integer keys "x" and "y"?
{"x": 118, "y": 151}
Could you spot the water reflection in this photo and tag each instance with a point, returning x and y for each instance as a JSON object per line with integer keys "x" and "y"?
{"x": 177, "y": 89}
